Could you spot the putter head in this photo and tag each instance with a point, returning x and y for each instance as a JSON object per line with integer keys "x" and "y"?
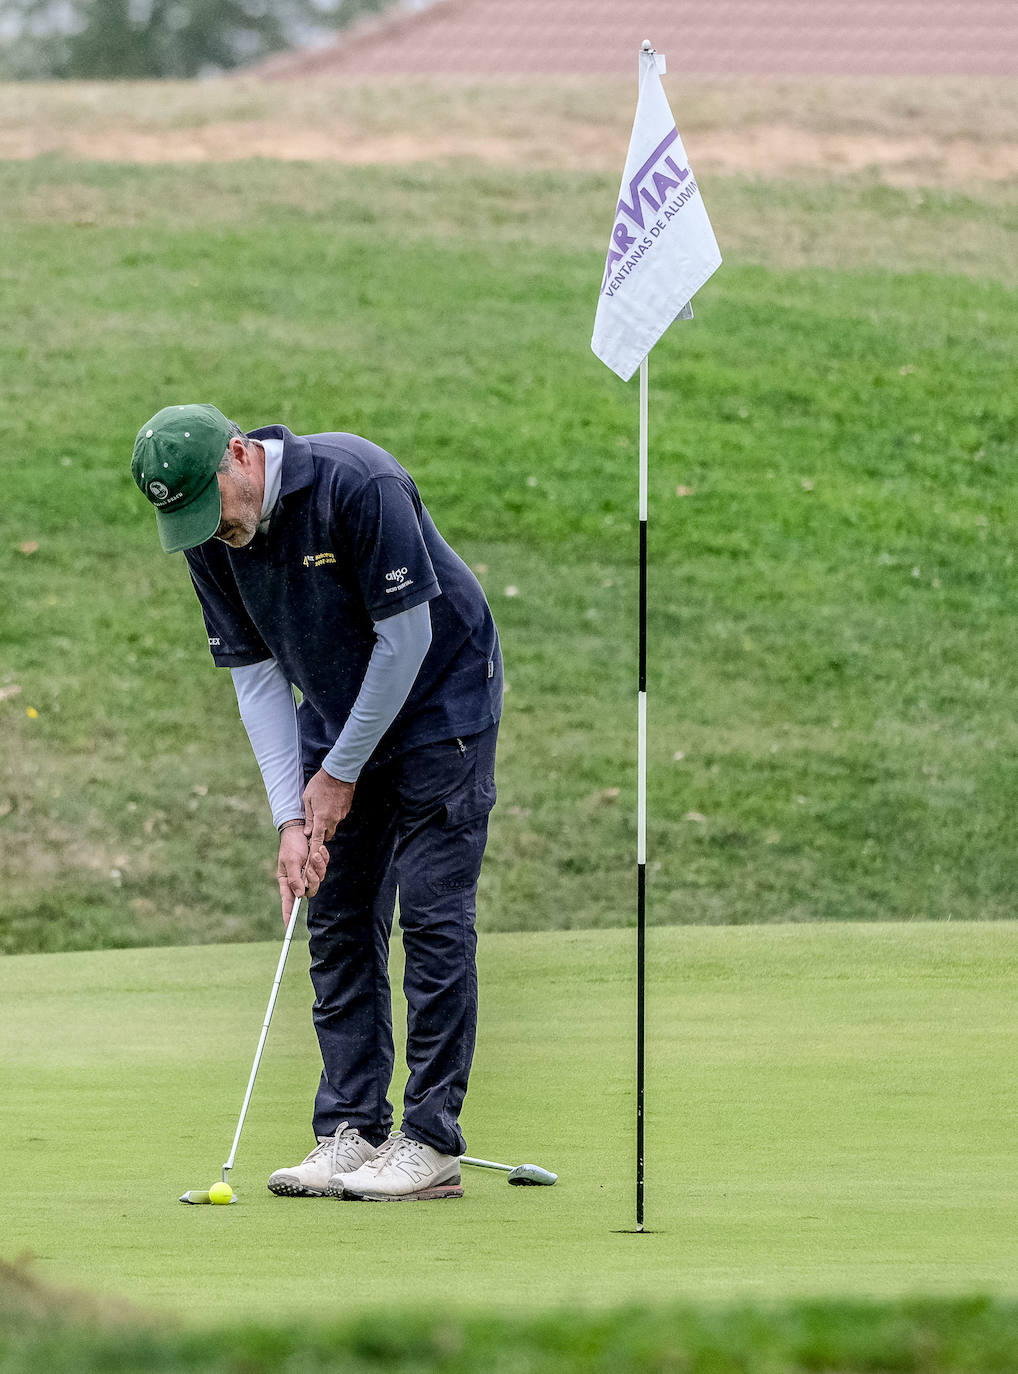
{"x": 531, "y": 1176}
{"x": 199, "y": 1196}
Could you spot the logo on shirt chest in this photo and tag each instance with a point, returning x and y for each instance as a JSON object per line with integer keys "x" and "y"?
{"x": 318, "y": 560}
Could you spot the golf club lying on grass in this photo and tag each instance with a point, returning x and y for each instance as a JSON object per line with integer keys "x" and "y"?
{"x": 226, "y": 1194}
{"x": 522, "y": 1175}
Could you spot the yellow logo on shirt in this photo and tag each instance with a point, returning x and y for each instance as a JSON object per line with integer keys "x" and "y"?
{"x": 318, "y": 560}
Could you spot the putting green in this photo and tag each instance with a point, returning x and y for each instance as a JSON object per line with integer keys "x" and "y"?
{"x": 831, "y": 1110}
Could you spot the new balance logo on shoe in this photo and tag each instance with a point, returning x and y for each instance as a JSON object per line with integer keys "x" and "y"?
{"x": 402, "y": 1170}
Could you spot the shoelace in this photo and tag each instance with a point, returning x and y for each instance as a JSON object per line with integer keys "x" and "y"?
{"x": 390, "y": 1151}
{"x": 329, "y": 1145}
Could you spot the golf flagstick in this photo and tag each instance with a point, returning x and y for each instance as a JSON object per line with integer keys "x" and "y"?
{"x": 661, "y": 251}
{"x": 641, "y": 804}
{"x": 291, "y": 927}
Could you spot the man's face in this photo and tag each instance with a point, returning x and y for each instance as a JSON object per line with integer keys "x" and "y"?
{"x": 242, "y": 506}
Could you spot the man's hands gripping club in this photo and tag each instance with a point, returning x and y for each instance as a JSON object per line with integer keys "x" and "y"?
{"x": 300, "y": 870}
{"x": 303, "y": 857}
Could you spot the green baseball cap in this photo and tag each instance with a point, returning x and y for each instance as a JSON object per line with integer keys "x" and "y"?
{"x": 176, "y": 457}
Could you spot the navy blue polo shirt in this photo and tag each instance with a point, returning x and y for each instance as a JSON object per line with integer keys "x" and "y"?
{"x": 350, "y": 542}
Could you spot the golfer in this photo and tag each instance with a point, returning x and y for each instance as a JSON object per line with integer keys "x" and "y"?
{"x": 318, "y": 566}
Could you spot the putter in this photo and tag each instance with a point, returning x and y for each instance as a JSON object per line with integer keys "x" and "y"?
{"x": 197, "y": 1196}
{"x": 521, "y": 1175}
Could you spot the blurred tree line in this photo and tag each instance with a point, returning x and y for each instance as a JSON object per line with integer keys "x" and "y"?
{"x": 104, "y": 39}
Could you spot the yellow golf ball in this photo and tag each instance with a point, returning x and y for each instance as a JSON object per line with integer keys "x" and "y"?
{"x": 220, "y": 1192}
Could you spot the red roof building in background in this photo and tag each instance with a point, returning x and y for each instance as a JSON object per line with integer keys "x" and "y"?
{"x": 537, "y": 38}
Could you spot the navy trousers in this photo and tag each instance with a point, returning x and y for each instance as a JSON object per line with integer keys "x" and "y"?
{"x": 417, "y": 825}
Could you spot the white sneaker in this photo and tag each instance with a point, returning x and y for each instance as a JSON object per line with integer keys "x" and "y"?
{"x": 347, "y": 1149}
{"x": 402, "y": 1169}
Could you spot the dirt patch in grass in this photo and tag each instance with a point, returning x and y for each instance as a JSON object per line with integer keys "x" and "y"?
{"x": 780, "y": 151}
{"x": 771, "y": 151}
{"x": 903, "y": 132}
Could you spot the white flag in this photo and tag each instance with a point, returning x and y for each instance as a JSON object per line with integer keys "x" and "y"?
{"x": 662, "y": 246}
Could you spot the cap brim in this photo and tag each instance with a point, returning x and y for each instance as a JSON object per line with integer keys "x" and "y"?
{"x": 198, "y": 521}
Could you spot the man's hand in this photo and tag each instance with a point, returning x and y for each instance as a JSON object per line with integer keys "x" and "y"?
{"x": 327, "y": 802}
{"x": 300, "y": 868}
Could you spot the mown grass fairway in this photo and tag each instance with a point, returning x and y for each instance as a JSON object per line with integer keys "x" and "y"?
{"x": 831, "y": 1113}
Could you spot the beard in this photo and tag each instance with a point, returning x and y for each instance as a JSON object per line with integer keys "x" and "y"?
{"x": 237, "y": 533}
{"x": 241, "y": 526}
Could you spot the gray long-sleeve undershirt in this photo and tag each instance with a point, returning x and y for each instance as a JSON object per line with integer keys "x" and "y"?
{"x": 268, "y": 710}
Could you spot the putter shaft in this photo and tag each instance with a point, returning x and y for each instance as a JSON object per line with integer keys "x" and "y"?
{"x": 486, "y": 1164}
{"x": 291, "y": 927}
{"x": 518, "y": 1173}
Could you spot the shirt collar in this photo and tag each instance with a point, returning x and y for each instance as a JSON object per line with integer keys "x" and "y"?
{"x": 273, "y": 471}
{"x": 297, "y": 466}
